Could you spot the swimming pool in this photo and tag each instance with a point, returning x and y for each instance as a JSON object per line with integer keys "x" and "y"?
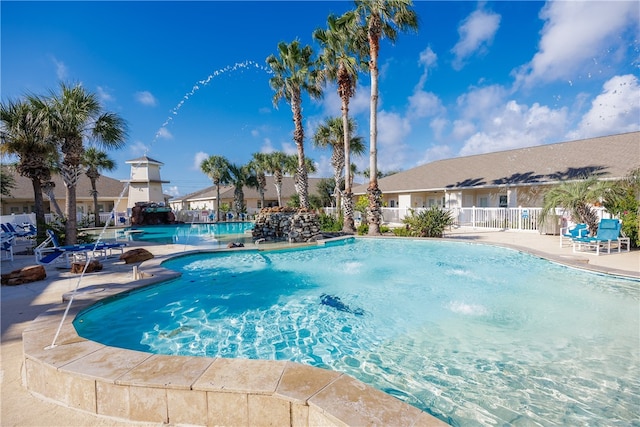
{"x": 201, "y": 234}
{"x": 473, "y": 334}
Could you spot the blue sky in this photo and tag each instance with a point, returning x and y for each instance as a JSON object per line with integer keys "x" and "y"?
{"x": 190, "y": 78}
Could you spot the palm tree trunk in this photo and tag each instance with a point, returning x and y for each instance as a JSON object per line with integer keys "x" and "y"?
{"x": 96, "y": 214}
{"x": 348, "y": 225}
{"x": 373, "y": 192}
{"x": 277, "y": 181}
{"x": 48, "y": 189}
{"x": 70, "y": 175}
{"x": 217, "y": 184}
{"x": 301, "y": 183}
{"x": 41, "y": 223}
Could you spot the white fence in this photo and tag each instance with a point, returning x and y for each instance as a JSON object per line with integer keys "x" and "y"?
{"x": 521, "y": 219}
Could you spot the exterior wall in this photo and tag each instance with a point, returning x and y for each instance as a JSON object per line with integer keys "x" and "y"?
{"x": 145, "y": 172}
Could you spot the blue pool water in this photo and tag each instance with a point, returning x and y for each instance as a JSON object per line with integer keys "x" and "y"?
{"x": 474, "y": 334}
{"x": 214, "y": 234}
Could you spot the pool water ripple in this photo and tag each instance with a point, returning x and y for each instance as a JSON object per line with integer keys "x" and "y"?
{"x": 512, "y": 339}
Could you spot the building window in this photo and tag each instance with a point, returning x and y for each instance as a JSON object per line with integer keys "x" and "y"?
{"x": 484, "y": 202}
{"x": 392, "y": 203}
{"x": 503, "y": 201}
{"x": 259, "y": 204}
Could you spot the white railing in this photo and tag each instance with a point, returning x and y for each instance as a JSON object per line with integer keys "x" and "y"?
{"x": 520, "y": 218}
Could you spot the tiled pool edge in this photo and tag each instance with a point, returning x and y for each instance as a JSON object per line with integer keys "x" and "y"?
{"x": 143, "y": 387}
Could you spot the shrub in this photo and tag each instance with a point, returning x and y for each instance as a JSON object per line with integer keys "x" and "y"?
{"x": 329, "y": 223}
{"x": 428, "y": 223}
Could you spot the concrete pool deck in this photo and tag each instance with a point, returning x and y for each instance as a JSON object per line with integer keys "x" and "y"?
{"x": 21, "y": 305}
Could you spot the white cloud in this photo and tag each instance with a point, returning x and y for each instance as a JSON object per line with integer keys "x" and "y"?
{"x": 199, "y": 157}
{"x": 392, "y": 131}
{"x": 424, "y": 104}
{"x": 476, "y": 33}
{"x": 435, "y": 152}
{"x": 172, "y": 191}
{"x": 462, "y": 129}
{"x": 438, "y": 126}
{"x": 104, "y": 95}
{"x": 146, "y": 98}
{"x": 574, "y": 33}
{"x": 480, "y": 101}
{"x": 428, "y": 59}
{"x": 61, "y": 69}
{"x": 164, "y": 133}
{"x": 514, "y": 126}
{"x": 615, "y": 110}
{"x": 138, "y": 148}
{"x": 267, "y": 146}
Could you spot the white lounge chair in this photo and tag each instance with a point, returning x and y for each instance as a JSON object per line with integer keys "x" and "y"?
{"x": 608, "y": 234}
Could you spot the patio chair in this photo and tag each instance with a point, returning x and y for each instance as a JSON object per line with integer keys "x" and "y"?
{"x": 576, "y": 231}
{"x": 51, "y": 251}
{"x": 6, "y": 245}
{"x": 608, "y": 234}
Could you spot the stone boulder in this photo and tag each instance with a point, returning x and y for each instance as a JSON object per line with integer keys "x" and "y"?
{"x": 78, "y": 267}
{"x": 24, "y": 275}
{"x": 136, "y": 255}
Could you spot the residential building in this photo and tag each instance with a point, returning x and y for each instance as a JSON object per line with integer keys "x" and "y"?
{"x": 206, "y": 199}
{"x": 508, "y": 179}
{"x": 111, "y": 192}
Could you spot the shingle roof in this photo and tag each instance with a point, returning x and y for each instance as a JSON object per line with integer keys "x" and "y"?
{"x": 107, "y": 187}
{"x": 144, "y": 159}
{"x": 608, "y": 157}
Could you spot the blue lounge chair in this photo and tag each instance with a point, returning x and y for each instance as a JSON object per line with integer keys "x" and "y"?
{"x": 608, "y": 234}
{"x": 46, "y": 254}
{"x": 570, "y": 233}
{"x": 9, "y": 228}
{"x": 6, "y": 245}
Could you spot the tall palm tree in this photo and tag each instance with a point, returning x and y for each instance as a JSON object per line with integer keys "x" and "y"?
{"x": 381, "y": 18}
{"x": 75, "y": 115}
{"x": 294, "y": 73}
{"x": 260, "y": 166}
{"x": 95, "y": 161}
{"x": 239, "y": 177}
{"x": 279, "y": 164}
{"x": 25, "y": 134}
{"x": 344, "y": 46}
{"x": 217, "y": 169}
{"x": 330, "y": 134}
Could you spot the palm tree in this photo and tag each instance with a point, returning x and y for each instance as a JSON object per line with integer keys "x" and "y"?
{"x": 95, "y": 161}
{"x": 279, "y": 164}
{"x": 260, "y": 166}
{"x": 344, "y": 49}
{"x": 217, "y": 169}
{"x": 25, "y": 135}
{"x": 330, "y": 134}
{"x": 239, "y": 177}
{"x": 295, "y": 73}
{"x": 578, "y": 198}
{"x": 75, "y": 115}
{"x": 381, "y": 18}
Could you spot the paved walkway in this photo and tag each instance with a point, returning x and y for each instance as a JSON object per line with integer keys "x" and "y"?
{"x": 21, "y": 304}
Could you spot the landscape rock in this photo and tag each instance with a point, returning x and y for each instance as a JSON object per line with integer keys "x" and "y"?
{"x": 78, "y": 267}
{"x": 24, "y": 275}
{"x": 136, "y": 255}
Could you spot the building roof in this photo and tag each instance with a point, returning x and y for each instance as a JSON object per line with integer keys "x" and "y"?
{"x": 226, "y": 191}
{"x": 144, "y": 159}
{"x": 108, "y": 188}
{"x": 608, "y": 157}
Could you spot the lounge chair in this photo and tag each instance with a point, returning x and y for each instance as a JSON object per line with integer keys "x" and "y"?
{"x": 9, "y": 228}
{"x": 570, "y": 233}
{"x": 608, "y": 234}
{"x": 6, "y": 245}
{"x": 46, "y": 254}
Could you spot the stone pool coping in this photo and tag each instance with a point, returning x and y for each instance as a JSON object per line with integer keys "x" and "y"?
{"x": 143, "y": 387}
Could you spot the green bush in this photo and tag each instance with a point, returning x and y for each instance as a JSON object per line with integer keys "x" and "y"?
{"x": 329, "y": 223}
{"x": 428, "y": 223}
